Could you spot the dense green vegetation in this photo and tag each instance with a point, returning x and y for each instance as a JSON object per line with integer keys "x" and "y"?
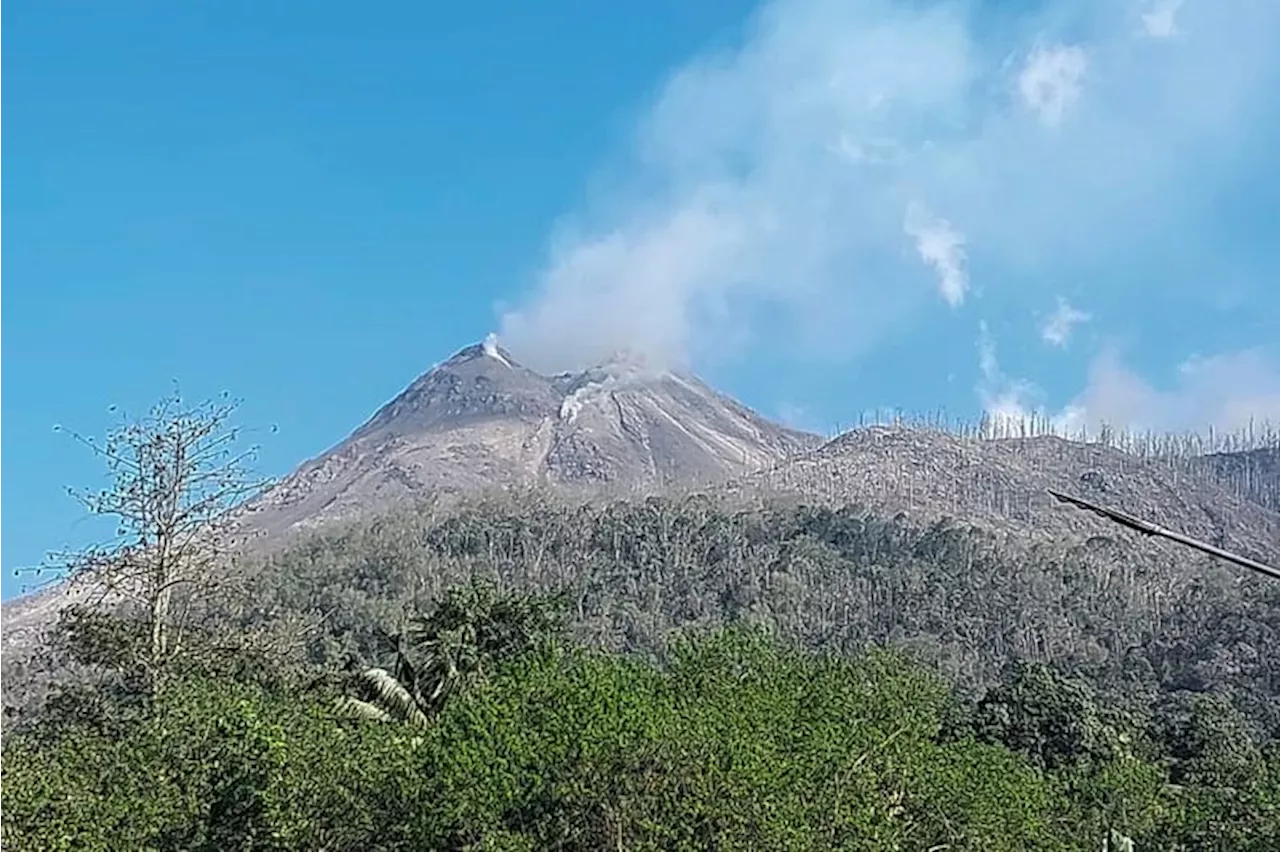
{"x": 736, "y": 742}
{"x": 659, "y": 674}
{"x": 965, "y": 601}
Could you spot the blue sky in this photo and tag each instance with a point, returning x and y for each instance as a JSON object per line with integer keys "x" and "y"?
{"x": 823, "y": 207}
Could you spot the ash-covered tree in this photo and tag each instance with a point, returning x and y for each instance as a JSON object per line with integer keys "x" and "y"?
{"x": 177, "y": 478}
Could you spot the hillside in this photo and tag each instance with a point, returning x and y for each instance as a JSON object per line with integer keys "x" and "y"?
{"x": 1254, "y": 473}
{"x": 929, "y": 508}
{"x": 1137, "y": 623}
{"x": 480, "y": 421}
{"x": 1000, "y": 485}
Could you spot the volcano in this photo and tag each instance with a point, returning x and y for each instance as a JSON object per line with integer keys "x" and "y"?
{"x": 480, "y": 421}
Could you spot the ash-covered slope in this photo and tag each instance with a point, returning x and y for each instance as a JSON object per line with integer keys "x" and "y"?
{"x": 481, "y": 421}
{"x": 1254, "y": 474}
{"x": 1000, "y": 484}
{"x": 619, "y": 423}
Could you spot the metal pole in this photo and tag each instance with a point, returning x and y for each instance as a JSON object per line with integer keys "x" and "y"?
{"x": 1148, "y": 528}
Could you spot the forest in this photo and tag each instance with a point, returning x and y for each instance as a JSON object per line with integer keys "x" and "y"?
{"x": 661, "y": 673}
{"x": 965, "y": 601}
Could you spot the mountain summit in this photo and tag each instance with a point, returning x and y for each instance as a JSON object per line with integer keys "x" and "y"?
{"x": 482, "y": 420}
{"x": 478, "y": 384}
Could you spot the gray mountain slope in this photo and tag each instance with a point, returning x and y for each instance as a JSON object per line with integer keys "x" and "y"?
{"x": 1000, "y": 484}
{"x": 482, "y": 421}
{"x": 1253, "y": 473}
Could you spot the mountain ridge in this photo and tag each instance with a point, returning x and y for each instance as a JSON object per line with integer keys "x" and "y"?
{"x": 481, "y": 420}
{"x": 1002, "y": 484}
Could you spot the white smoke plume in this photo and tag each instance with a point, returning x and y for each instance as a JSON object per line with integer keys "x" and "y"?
{"x": 1227, "y": 392}
{"x": 1057, "y": 329}
{"x": 1051, "y": 81}
{"x": 942, "y": 247}
{"x": 768, "y": 184}
{"x": 1159, "y": 21}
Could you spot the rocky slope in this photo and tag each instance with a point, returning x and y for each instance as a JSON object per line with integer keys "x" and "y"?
{"x": 1253, "y": 473}
{"x": 481, "y": 421}
{"x": 1000, "y": 484}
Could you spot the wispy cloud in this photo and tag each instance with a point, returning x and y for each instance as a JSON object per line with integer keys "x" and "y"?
{"x": 1051, "y": 81}
{"x": 800, "y": 417}
{"x": 1056, "y": 330}
{"x": 1159, "y": 21}
{"x": 1226, "y": 392}
{"x": 768, "y": 185}
{"x": 1005, "y": 401}
{"x": 765, "y": 180}
{"x": 942, "y": 247}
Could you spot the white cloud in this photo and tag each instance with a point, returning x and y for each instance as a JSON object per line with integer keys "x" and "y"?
{"x": 1225, "y": 392}
{"x": 1230, "y": 392}
{"x": 1159, "y": 20}
{"x": 800, "y": 417}
{"x": 873, "y": 151}
{"x": 1006, "y": 402}
{"x": 1051, "y": 81}
{"x": 764, "y": 196}
{"x": 1057, "y": 329}
{"x": 988, "y": 365}
{"x": 761, "y": 183}
{"x": 942, "y": 247}
{"x": 638, "y": 287}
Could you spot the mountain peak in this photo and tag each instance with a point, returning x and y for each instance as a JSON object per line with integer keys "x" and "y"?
{"x": 481, "y": 420}
{"x": 487, "y": 348}
{"x": 478, "y": 382}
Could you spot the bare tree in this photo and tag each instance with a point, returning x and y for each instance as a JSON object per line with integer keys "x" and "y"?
{"x": 179, "y": 478}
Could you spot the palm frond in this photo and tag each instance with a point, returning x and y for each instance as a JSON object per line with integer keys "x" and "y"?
{"x": 362, "y": 709}
{"x": 392, "y": 696}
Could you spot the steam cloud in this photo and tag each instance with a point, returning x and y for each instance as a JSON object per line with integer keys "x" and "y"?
{"x": 1050, "y": 82}
{"x": 1229, "y": 393}
{"x": 1057, "y": 329}
{"x": 774, "y": 179}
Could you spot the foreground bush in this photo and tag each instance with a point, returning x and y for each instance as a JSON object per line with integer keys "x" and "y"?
{"x": 738, "y": 743}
